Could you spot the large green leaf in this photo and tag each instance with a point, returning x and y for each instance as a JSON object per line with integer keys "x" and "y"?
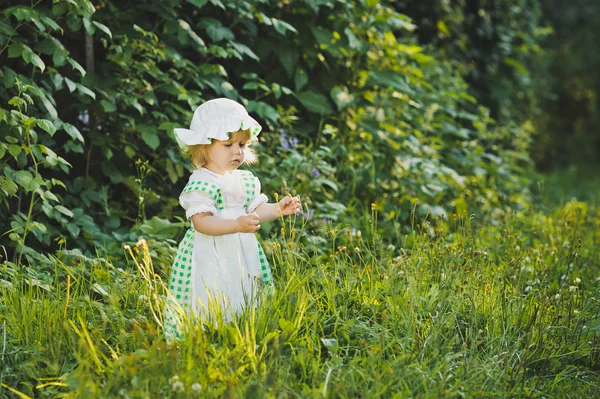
{"x": 32, "y": 58}
{"x": 149, "y": 135}
{"x": 198, "y": 3}
{"x": 388, "y": 78}
{"x": 46, "y": 125}
{"x": 315, "y": 102}
{"x": 73, "y": 132}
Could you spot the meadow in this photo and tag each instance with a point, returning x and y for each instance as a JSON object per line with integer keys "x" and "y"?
{"x": 459, "y": 307}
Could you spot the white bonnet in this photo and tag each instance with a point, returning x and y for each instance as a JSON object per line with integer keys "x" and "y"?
{"x": 215, "y": 119}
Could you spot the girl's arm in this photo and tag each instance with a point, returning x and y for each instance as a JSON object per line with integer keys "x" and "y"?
{"x": 208, "y": 224}
{"x": 287, "y": 206}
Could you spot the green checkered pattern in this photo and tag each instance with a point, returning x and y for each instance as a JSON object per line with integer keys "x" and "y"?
{"x": 211, "y": 189}
{"x": 181, "y": 271}
{"x": 250, "y": 186}
{"x": 180, "y": 284}
{"x": 264, "y": 266}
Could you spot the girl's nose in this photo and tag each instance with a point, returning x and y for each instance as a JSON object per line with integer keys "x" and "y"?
{"x": 238, "y": 149}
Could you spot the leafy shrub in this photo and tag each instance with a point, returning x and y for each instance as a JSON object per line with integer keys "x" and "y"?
{"x": 371, "y": 115}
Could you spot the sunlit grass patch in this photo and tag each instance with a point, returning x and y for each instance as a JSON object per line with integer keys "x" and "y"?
{"x": 508, "y": 309}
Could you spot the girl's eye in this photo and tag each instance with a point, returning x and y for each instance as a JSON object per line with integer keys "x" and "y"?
{"x": 228, "y": 145}
{"x": 243, "y": 145}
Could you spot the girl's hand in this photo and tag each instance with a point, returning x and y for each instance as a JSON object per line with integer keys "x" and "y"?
{"x": 289, "y": 206}
{"x": 248, "y": 223}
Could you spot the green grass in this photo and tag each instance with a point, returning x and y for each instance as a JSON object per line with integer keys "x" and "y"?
{"x": 505, "y": 310}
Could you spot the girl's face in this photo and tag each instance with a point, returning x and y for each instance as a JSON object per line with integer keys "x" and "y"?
{"x": 226, "y": 155}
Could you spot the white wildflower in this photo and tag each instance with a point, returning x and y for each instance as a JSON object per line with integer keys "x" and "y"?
{"x": 577, "y": 281}
{"x": 572, "y": 288}
{"x": 196, "y": 388}
{"x": 177, "y": 386}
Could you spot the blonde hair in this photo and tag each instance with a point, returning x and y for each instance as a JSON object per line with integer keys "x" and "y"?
{"x": 199, "y": 152}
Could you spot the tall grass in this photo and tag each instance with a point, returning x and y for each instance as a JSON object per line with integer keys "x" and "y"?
{"x": 506, "y": 310}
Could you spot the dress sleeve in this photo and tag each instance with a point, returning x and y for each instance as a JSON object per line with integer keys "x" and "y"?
{"x": 197, "y": 202}
{"x": 258, "y": 198}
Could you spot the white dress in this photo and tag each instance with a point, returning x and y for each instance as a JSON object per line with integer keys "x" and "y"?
{"x": 216, "y": 272}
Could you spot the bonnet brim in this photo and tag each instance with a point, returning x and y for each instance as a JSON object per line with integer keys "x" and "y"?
{"x": 215, "y": 119}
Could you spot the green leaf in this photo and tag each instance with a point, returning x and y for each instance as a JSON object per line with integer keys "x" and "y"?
{"x": 73, "y": 132}
{"x": 73, "y": 229}
{"x": 518, "y": 66}
{"x": 388, "y": 78}
{"x": 315, "y": 102}
{"x": 352, "y": 40}
{"x": 84, "y": 90}
{"x": 14, "y": 150}
{"x": 282, "y": 27}
{"x": 193, "y": 35}
{"x": 89, "y": 28}
{"x": 8, "y": 186}
{"x": 64, "y": 210}
{"x": 198, "y": 3}
{"x": 48, "y": 105}
{"x": 150, "y": 136}
{"x": 59, "y": 58}
{"x": 243, "y": 49}
{"x": 72, "y": 86}
{"x": 108, "y": 106}
{"x": 301, "y": 79}
{"x": 441, "y": 25}
{"x": 262, "y": 18}
{"x": 323, "y": 36}
{"x": 73, "y": 22}
{"x": 216, "y": 30}
{"x": 217, "y": 3}
{"x": 50, "y": 22}
{"x": 289, "y": 58}
{"x": 59, "y": 9}
{"x": 76, "y": 65}
{"x": 47, "y": 126}
{"x": 264, "y": 110}
{"x": 49, "y": 196}
{"x": 24, "y": 179}
{"x": 41, "y": 227}
{"x": 15, "y": 50}
{"x": 103, "y": 28}
{"x": 31, "y": 58}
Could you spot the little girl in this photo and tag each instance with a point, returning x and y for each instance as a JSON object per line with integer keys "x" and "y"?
{"x": 219, "y": 262}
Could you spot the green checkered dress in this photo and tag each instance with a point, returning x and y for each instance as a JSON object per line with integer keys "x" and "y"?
{"x": 218, "y": 262}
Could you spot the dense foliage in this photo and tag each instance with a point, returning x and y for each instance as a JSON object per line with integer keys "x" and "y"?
{"x": 353, "y": 108}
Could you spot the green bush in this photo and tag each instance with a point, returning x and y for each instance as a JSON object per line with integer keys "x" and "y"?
{"x": 367, "y": 115}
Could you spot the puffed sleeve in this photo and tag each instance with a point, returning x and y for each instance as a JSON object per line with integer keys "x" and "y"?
{"x": 258, "y": 199}
{"x": 197, "y": 202}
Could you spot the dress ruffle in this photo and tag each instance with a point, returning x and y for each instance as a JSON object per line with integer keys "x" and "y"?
{"x": 260, "y": 199}
{"x": 197, "y": 202}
